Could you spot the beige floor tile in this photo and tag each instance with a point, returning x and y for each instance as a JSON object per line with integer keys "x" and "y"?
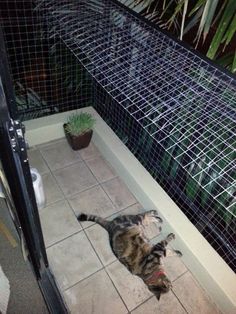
{"x": 174, "y": 267}
{"x": 36, "y": 161}
{"x": 72, "y": 260}
{"x": 59, "y": 154}
{"x": 96, "y": 295}
{"x": 100, "y": 240}
{"x": 168, "y": 304}
{"x": 75, "y": 178}
{"x": 131, "y": 288}
{"x": 92, "y": 201}
{"x": 51, "y": 189}
{"x": 89, "y": 152}
{"x": 192, "y": 296}
{"x": 58, "y": 222}
{"x": 101, "y": 169}
{"x": 119, "y": 193}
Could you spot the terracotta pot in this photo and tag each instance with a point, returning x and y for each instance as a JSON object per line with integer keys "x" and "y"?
{"x": 80, "y": 141}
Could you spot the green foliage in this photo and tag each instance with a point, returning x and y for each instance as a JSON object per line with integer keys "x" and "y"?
{"x": 213, "y": 20}
{"x": 225, "y": 30}
{"x": 79, "y": 123}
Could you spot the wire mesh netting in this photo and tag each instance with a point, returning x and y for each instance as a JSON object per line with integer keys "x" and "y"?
{"x": 47, "y": 77}
{"x": 175, "y": 111}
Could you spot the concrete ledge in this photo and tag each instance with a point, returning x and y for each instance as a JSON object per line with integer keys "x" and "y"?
{"x": 211, "y": 271}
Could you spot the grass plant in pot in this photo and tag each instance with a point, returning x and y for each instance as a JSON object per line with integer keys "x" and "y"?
{"x": 79, "y": 129}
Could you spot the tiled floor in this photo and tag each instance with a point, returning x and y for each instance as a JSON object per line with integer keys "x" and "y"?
{"x": 87, "y": 272}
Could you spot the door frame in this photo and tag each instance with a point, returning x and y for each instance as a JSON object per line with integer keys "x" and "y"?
{"x": 13, "y": 155}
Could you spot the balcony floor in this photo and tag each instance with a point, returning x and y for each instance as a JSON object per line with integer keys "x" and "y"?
{"x": 88, "y": 274}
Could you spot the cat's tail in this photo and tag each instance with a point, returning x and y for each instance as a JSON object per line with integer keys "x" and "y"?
{"x": 99, "y": 220}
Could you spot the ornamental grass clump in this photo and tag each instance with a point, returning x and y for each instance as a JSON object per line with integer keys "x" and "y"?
{"x": 79, "y": 123}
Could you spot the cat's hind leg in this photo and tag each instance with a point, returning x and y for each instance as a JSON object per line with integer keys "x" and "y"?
{"x": 150, "y": 216}
{"x": 169, "y": 251}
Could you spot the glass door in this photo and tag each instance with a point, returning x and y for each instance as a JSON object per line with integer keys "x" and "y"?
{"x": 18, "y": 188}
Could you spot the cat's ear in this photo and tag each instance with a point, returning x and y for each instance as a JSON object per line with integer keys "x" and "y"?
{"x": 158, "y": 295}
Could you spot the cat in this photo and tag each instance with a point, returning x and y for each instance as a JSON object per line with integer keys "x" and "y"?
{"x": 132, "y": 248}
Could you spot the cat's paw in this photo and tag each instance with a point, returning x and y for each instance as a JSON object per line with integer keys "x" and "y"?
{"x": 153, "y": 213}
{"x": 170, "y": 236}
{"x": 180, "y": 254}
{"x": 159, "y": 219}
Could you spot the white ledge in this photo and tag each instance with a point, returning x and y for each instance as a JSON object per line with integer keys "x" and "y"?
{"x": 211, "y": 271}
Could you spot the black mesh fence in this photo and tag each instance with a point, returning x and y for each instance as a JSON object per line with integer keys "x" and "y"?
{"x": 47, "y": 77}
{"x": 173, "y": 109}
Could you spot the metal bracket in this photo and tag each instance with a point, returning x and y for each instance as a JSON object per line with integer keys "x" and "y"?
{"x": 16, "y": 133}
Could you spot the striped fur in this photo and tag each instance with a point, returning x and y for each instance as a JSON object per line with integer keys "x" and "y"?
{"x": 133, "y": 249}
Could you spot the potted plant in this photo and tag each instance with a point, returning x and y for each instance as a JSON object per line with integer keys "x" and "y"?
{"x": 78, "y": 129}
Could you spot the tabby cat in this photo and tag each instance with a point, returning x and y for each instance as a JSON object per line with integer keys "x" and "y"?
{"x": 132, "y": 248}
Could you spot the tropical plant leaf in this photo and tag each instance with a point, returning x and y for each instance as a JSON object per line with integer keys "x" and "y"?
{"x": 222, "y": 27}
{"x": 203, "y": 19}
{"x": 206, "y": 20}
{"x": 230, "y": 32}
{"x": 226, "y": 60}
{"x": 166, "y": 8}
{"x": 234, "y": 64}
{"x": 209, "y": 18}
{"x": 176, "y": 12}
{"x": 197, "y": 6}
{"x": 183, "y": 19}
{"x": 194, "y": 20}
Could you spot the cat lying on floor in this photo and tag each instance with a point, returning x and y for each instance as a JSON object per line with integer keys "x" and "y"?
{"x": 132, "y": 248}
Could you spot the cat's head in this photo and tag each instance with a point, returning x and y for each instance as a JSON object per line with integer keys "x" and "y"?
{"x": 159, "y": 284}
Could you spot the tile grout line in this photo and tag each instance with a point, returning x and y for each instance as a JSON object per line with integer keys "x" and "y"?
{"x": 116, "y": 287}
{"x": 98, "y": 183}
{"x": 106, "y": 271}
{"x": 119, "y": 210}
{"x": 149, "y": 298}
{"x": 103, "y": 268}
{"x": 180, "y": 302}
{"x": 51, "y": 172}
{"x": 84, "y": 229}
{"x": 100, "y": 156}
{"x": 107, "y": 217}
{"x": 67, "y": 237}
{"x": 180, "y": 275}
{"x": 81, "y": 280}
